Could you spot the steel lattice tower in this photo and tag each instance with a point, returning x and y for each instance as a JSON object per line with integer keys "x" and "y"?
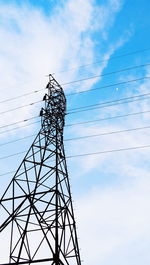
{"x": 37, "y": 204}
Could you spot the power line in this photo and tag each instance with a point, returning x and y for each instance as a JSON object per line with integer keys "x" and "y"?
{"x": 84, "y": 91}
{"x": 137, "y": 97}
{"x": 109, "y": 118}
{"x": 33, "y": 103}
{"x": 7, "y": 173}
{"x": 11, "y": 124}
{"x": 106, "y": 86}
{"x": 75, "y": 108}
{"x": 17, "y": 128}
{"x": 112, "y": 101}
{"x": 106, "y": 106}
{"x": 82, "y": 137}
{"x": 13, "y": 171}
{"x": 126, "y": 98}
{"x": 17, "y": 140}
{"x": 110, "y": 151}
{"x": 107, "y": 133}
{"x": 12, "y": 155}
{"x": 101, "y": 61}
{"x": 141, "y": 95}
{"x": 87, "y": 154}
{"x": 105, "y": 74}
{"x": 84, "y": 122}
{"x": 20, "y": 96}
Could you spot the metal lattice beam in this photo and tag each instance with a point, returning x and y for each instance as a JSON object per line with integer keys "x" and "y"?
{"x": 37, "y": 203}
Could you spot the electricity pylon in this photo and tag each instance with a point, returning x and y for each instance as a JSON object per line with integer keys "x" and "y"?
{"x": 37, "y": 204}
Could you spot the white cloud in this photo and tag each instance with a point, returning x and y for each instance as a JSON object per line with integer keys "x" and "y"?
{"x": 113, "y": 222}
{"x": 116, "y": 224}
{"x": 105, "y": 16}
{"x": 33, "y": 45}
{"x": 113, "y": 216}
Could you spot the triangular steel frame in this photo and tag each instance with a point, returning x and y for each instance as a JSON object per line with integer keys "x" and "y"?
{"x": 37, "y": 204}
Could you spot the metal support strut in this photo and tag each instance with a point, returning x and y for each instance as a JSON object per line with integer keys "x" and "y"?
{"x": 36, "y": 207}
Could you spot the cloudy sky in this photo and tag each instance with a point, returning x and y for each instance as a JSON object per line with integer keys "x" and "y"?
{"x": 76, "y": 40}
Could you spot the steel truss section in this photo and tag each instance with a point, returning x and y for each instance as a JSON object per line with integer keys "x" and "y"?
{"x": 36, "y": 207}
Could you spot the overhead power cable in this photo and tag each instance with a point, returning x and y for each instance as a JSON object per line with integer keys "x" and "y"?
{"x": 110, "y": 151}
{"x": 107, "y": 133}
{"x": 102, "y": 103}
{"x": 85, "y": 91}
{"x": 106, "y": 106}
{"x": 105, "y": 74}
{"x": 82, "y": 137}
{"x": 12, "y": 155}
{"x": 109, "y": 118}
{"x": 84, "y": 122}
{"x": 88, "y": 154}
{"x": 33, "y": 103}
{"x": 101, "y": 61}
{"x": 7, "y": 173}
{"x": 106, "y": 86}
{"x": 112, "y": 101}
{"x": 17, "y": 128}
{"x": 11, "y": 124}
{"x": 138, "y": 97}
{"x": 17, "y": 140}
{"x": 20, "y": 96}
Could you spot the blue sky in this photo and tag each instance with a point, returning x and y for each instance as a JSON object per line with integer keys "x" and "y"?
{"x": 110, "y": 191}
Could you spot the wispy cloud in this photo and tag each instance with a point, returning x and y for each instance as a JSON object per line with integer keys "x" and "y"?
{"x": 116, "y": 222}
{"x": 113, "y": 211}
{"x": 34, "y": 45}
{"x": 115, "y": 218}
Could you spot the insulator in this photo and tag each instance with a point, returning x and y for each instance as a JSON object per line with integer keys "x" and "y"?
{"x": 47, "y": 85}
{"x": 41, "y": 112}
{"x": 44, "y": 98}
